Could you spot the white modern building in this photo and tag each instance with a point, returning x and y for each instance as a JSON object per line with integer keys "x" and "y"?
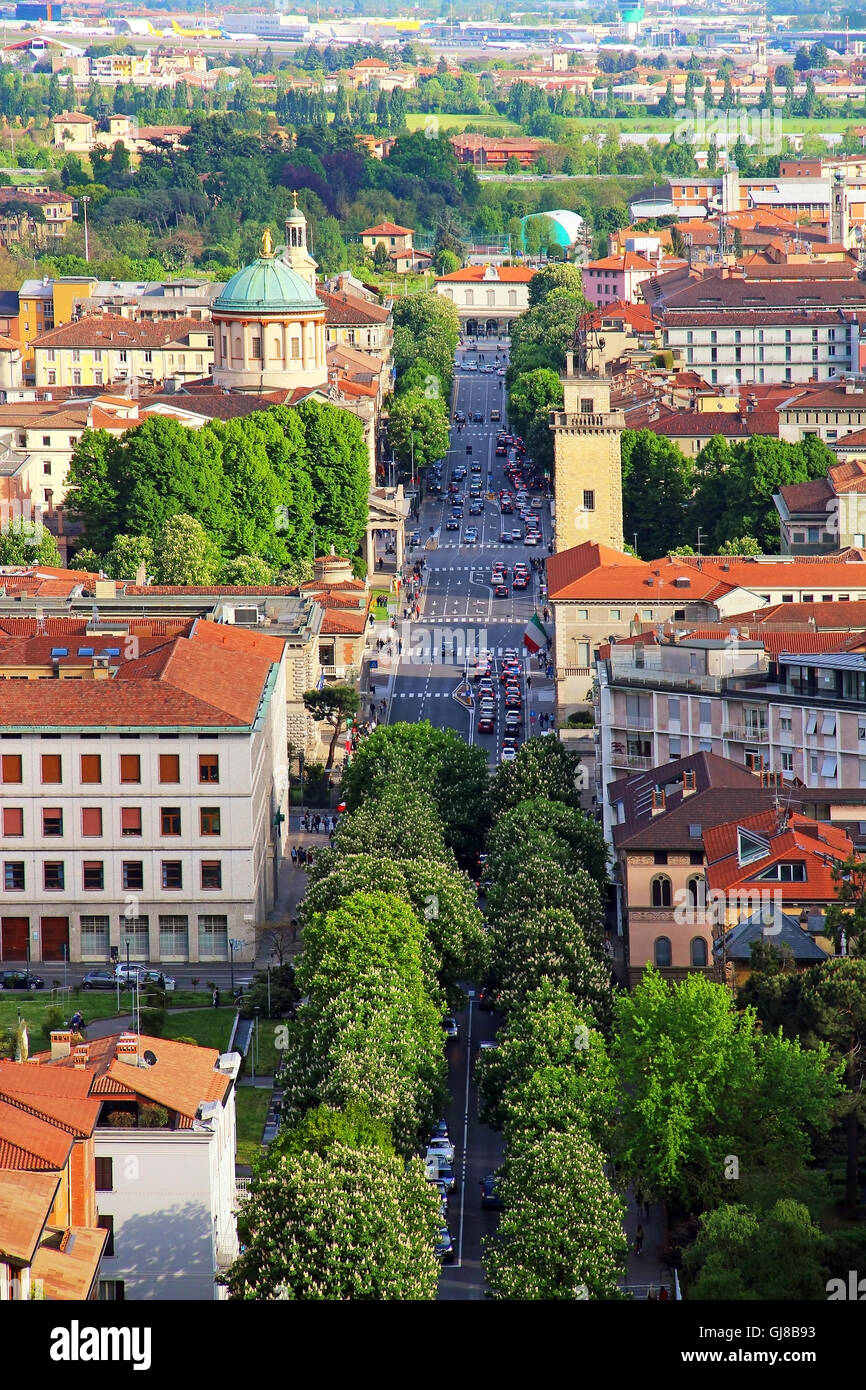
{"x": 142, "y": 784}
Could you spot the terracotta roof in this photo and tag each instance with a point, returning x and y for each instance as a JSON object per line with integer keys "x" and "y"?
{"x": 604, "y": 574}
{"x": 67, "y": 1106}
{"x": 181, "y": 1078}
{"x": 113, "y": 332}
{"x": 506, "y": 274}
{"x": 819, "y": 845}
{"x": 807, "y": 497}
{"x": 829, "y": 571}
{"x": 26, "y": 1200}
{"x": 626, "y": 260}
{"x": 73, "y": 118}
{"x": 388, "y": 229}
{"x": 342, "y": 308}
{"x": 637, "y": 315}
{"x": 849, "y": 476}
{"x": 40, "y": 1141}
{"x": 831, "y": 616}
{"x": 337, "y": 621}
{"x": 68, "y": 1272}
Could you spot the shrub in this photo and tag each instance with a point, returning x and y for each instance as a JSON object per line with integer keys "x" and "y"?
{"x": 191, "y": 1042}
{"x": 54, "y": 1019}
{"x": 152, "y": 1116}
{"x": 153, "y": 1022}
{"x": 120, "y": 1119}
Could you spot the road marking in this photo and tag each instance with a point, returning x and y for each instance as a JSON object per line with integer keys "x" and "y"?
{"x": 465, "y": 1135}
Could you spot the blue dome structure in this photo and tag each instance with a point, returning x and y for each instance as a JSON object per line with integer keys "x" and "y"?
{"x": 268, "y": 286}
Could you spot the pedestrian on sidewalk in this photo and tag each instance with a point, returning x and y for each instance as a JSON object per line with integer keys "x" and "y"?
{"x": 294, "y": 926}
{"x": 638, "y": 1239}
{"x": 294, "y": 856}
{"x": 215, "y": 997}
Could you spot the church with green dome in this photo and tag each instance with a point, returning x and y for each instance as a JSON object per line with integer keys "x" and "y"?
{"x": 269, "y": 323}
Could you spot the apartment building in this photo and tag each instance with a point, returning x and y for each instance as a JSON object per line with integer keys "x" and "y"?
{"x": 791, "y": 704}
{"x": 140, "y": 783}
{"x": 617, "y": 278}
{"x": 826, "y": 515}
{"x": 101, "y": 349}
{"x": 39, "y": 214}
{"x": 352, "y": 321}
{"x": 488, "y": 152}
{"x": 678, "y": 883}
{"x": 117, "y": 1170}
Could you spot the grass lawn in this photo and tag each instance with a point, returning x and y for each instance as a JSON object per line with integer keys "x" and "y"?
{"x": 268, "y": 1055}
{"x": 210, "y": 1027}
{"x": 252, "y": 1110}
{"x": 34, "y": 1012}
{"x": 451, "y": 121}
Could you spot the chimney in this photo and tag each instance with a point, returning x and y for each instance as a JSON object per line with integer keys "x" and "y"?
{"x": 659, "y": 799}
{"x": 569, "y": 364}
{"x": 80, "y": 1057}
{"x": 60, "y": 1044}
{"x": 127, "y": 1048}
{"x": 688, "y": 782}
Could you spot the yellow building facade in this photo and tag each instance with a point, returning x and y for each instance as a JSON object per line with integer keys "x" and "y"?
{"x": 587, "y": 463}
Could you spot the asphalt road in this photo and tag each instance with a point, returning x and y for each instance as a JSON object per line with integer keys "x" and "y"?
{"x": 459, "y": 614}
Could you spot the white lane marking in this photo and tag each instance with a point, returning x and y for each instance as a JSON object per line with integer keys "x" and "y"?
{"x": 465, "y": 1135}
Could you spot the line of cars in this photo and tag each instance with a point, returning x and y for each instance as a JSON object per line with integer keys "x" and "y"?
{"x": 439, "y": 1161}
{"x": 510, "y": 681}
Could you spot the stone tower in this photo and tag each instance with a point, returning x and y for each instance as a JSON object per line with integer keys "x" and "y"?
{"x": 297, "y": 253}
{"x": 587, "y": 463}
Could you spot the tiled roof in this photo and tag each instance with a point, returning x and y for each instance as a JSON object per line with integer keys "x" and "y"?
{"x": 839, "y": 617}
{"x": 626, "y": 260}
{"x": 387, "y": 229}
{"x": 506, "y": 274}
{"x": 73, "y": 118}
{"x": 337, "y": 621}
{"x": 722, "y": 789}
{"x": 849, "y": 476}
{"x": 736, "y": 944}
{"x": 346, "y": 309}
{"x": 67, "y": 1105}
{"x": 637, "y": 315}
{"x": 68, "y": 1272}
{"x": 627, "y": 579}
{"x": 181, "y": 1078}
{"x": 807, "y": 497}
{"x": 41, "y": 1141}
{"x": 795, "y": 838}
{"x": 828, "y": 571}
{"x": 113, "y": 332}
{"x": 25, "y": 1202}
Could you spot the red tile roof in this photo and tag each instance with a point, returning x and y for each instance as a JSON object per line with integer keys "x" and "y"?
{"x": 113, "y": 332}
{"x": 592, "y": 571}
{"x": 26, "y": 1200}
{"x": 388, "y": 229}
{"x": 626, "y": 260}
{"x": 506, "y": 274}
{"x": 797, "y": 839}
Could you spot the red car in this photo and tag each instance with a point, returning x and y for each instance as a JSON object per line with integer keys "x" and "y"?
{"x": 501, "y": 591}
{"x": 485, "y": 726}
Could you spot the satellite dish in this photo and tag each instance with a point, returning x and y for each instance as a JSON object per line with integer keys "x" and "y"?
{"x": 150, "y": 1058}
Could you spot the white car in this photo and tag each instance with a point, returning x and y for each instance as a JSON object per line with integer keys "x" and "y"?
{"x": 508, "y": 755}
{"x": 511, "y": 653}
{"x": 531, "y": 538}
{"x": 441, "y": 1148}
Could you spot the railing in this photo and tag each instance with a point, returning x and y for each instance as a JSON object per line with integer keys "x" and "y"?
{"x": 645, "y": 675}
{"x": 631, "y": 761}
{"x": 638, "y": 721}
{"x": 742, "y": 733}
{"x": 575, "y": 670}
{"x": 579, "y": 421}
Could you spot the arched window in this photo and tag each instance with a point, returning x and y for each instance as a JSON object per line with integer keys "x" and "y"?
{"x": 698, "y": 952}
{"x": 278, "y": 348}
{"x": 662, "y": 951}
{"x": 661, "y": 891}
{"x": 238, "y": 348}
{"x": 296, "y": 347}
{"x": 696, "y": 889}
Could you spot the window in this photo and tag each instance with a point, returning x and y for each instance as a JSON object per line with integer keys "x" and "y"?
{"x": 661, "y": 891}
{"x": 785, "y": 724}
{"x": 169, "y": 818}
{"x": 586, "y": 405}
{"x": 674, "y": 709}
{"x": 13, "y": 876}
{"x": 863, "y": 772}
{"x": 13, "y": 820}
{"x": 660, "y": 856}
{"x": 130, "y": 767}
{"x": 93, "y": 875}
{"x": 787, "y": 762}
{"x": 583, "y": 615}
{"x": 106, "y": 1223}
{"x": 257, "y": 348}
{"x": 212, "y": 872}
{"x": 812, "y": 724}
{"x": 208, "y": 767}
{"x": 91, "y": 767}
{"x": 615, "y": 615}
{"x": 861, "y": 730}
{"x": 213, "y": 938}
{"x": 53, "y": 876}
{"x": 135, "y": 932}
{"x": 674, "y": 747}
{"x": 169, "y": 767}
{"x": 698, "y": 952}
{"x": 10, "y": 767}
{"x": 209, "y": 820}
{"x": 588, "y": 501}
{"x": 296, "y": 348}
{"x": 112, "y": 1291}
{"x": 91, "y": 820}
{"x": 104, "y": 1173}
{"x": 174, "y": 938}
{"x": 662, "y": 952}
{"x": 46, "y": 441}
{"x": 46, "y": 469}
{"x": 52, "y": 768}
{"x": 132, "y": 873}
{"x": 94, "y": 938}
{"x": 52, "y": 820}
{"x": 705, "y": 711}
{"x": 828, "y": 724}
{"x": 76, "y": 377}
{"x": 828, "y": 767}
{"x": 172, "y": 873}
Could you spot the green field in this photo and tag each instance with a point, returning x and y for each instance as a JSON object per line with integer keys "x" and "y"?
{"x": 450, "y": 121}
{"x": 34, "y": 1012}
{"x": 210, "y": 1027}
{"x": 252, "y": 1111}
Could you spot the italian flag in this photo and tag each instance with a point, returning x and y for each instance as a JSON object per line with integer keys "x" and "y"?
{"x": 535, "y": 636}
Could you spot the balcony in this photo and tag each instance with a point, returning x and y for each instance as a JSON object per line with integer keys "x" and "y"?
{"x": 744, "y": 733}
{"x": 638, "y": 721}
{"x": 575, "y": 670}
{"x": 561, "y": 421}
{"x": 631, "y": 761}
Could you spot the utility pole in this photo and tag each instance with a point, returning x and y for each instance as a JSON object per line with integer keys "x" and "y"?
{"x": 85, "y": 200}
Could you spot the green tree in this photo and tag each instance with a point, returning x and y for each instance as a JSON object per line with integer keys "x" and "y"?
{"x": 434, "y": 763}
{"x": 445, "y": 262}
{"x": 552, "y": 278}
{"x": 512, "y": 165}
{"x": 657, "y": 486}
{"x": 561, "y": 1234}
{"x": 540, "y": 337}
{"x": 702, "y": 1083}
{"x": 184, "y": 553}
{"x": 380, "y": 255}
{"x": 92, "y": 494}
{"x": 334, "y": 705}
{"x": 830, "y": 1011}
{"x": 742, "y": 1255}
{"x": 322, "y": 1129}
{"x": 740, "y": 545}
{"x": 246, "y": 569}
{"x": 126, "y": 554}
{"x": 330, "y": 248}
{"x": 534, "y": 393}
{"x": 559, "y": 831}
{"x": 418, "y": 427}
{"x": 163, "y": 468}
{"x": 28, "y": 543}
{"x": 543, "y": 768}
{"x": 339, "y": 471}
{"x": 86, "y": 559}
{"x": 441, "y": 897}
{"x": 355, "y": 1224}
{"x": 398, "y": 823}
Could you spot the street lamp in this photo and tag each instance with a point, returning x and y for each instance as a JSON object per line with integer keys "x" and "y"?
{"x": 234, "y": 945}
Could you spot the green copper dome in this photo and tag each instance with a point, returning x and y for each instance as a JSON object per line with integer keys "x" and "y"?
{"x": 267, "y": 286}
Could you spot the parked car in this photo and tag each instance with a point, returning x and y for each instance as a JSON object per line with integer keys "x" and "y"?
{"x": 125, "y": 972}
{"x": 99, "y": 979}
{"x": 153, "y": 977}
{"x": 443, "y": 1148}
{"x": 20, "y": 979}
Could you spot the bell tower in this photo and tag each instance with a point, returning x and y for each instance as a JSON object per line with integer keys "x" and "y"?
{"x": 586, "y": 448}
{"x": 297, "y": 255}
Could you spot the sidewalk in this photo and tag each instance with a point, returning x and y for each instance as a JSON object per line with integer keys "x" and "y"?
{"x": 292, "y": 887}
{"x": 647, "y": 1270}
